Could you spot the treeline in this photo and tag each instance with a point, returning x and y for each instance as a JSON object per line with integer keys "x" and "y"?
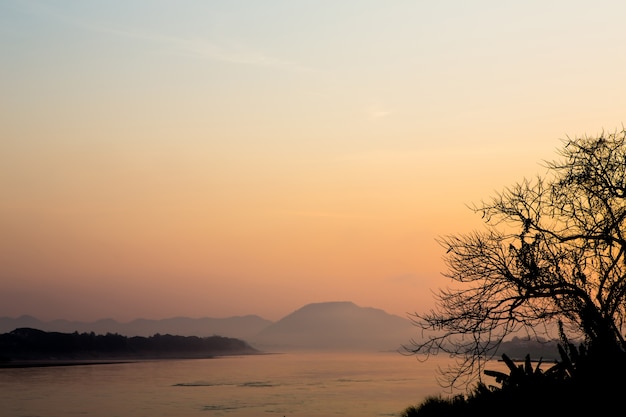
{"x": 539, "y": 348}
{"x": 34, "y": 344}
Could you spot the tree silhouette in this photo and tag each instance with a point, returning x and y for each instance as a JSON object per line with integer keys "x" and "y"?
{"x": 552, "y": 255}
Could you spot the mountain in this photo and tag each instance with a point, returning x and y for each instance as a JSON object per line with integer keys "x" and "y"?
{"x": 241, "y": 327}
{"x": 338, "y": 325}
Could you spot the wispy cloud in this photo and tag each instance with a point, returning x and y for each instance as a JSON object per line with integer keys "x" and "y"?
{"x": 229, "y": 51}
{"x": 375, "y": 112}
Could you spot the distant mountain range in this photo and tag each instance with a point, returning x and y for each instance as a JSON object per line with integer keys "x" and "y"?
{"x": 338, "y": 325}
{"x": 242, "y": 327}
{"x": 328, "y": 325}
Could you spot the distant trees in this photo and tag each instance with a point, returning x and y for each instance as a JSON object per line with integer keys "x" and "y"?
{"x": 26, "y": 344}
{"x": 552, "y": 255}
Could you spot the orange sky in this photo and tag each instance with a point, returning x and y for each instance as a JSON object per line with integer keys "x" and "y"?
{"x": 227, "y": 158}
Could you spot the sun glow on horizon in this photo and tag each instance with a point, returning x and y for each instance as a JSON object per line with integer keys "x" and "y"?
{"x": 211, "y": 159}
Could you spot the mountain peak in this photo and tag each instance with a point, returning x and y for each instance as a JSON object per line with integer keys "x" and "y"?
{"x": 336, "y": 325}
{"x": 327, "y": 305}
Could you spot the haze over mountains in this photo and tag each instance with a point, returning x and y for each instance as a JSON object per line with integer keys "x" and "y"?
{"x": 329, "y": 325}
{"x": 336, "y": 325}
{"x": 241, "y": 327}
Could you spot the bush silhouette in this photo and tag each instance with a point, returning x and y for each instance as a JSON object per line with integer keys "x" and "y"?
{"x": 582, "y": 382}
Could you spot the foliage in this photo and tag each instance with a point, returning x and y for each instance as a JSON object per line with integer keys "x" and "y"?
{"x": 553, "y": 251}
{"x": 575, "y": 385}
{"x": 28, "y": 344}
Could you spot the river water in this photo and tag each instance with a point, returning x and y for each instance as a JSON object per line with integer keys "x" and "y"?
{"x": 287, "y": 384}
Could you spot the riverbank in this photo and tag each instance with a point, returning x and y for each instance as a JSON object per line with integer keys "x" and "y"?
{"x": 61, "y": 362}
{"x": 47, "y": 362}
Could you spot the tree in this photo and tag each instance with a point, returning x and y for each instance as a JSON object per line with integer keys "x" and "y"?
{"x": 552, "y": 255}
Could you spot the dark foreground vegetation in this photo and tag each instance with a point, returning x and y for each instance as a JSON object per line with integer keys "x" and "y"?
{"x": 581, "y": 383}
{"x": 25, "y": 344}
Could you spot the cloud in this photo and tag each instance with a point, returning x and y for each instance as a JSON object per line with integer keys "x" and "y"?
{"x": 375, "y": 113}
{"x": 204, "y": 48}
{"x": 228, "y": 51}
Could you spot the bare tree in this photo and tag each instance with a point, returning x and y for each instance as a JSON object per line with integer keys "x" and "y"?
{"x": 553, "y": 251}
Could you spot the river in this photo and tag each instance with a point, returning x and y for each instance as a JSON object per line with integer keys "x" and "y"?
{"x": 287, "y": 384}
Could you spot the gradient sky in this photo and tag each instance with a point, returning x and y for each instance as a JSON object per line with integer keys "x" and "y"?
{"x": 221, "y": 158}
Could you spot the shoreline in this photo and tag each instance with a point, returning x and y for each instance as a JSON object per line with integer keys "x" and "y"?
{"x": 45, "y": 363}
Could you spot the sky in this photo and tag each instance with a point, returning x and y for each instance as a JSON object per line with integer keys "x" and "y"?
{"x": 224, "y": 158}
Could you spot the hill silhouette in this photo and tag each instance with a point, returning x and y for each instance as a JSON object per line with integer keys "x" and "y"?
{"x": 338, "y": 325}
